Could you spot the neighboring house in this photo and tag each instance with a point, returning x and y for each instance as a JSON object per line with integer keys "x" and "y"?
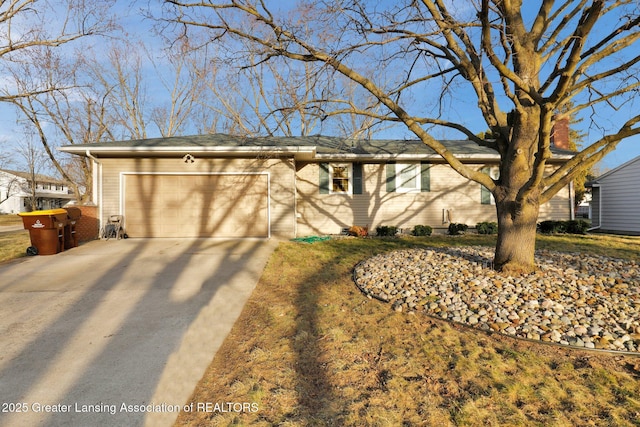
{"x": 228, "y": 186}
{"x": 583, "y": 210}
{"x": 615, "y": 205}
{"x": 16, "y": 195}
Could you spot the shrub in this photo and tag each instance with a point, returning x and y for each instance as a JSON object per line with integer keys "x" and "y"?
{"x": 579, "y": 226}
{"x": 550, "y": 226}
{"x": 386, "y": 230}
{"x": 487, "y": 227}
{"x": 456, "y": 229}
{"x": 571, "y": 227}
{"x": 422, "y": 230}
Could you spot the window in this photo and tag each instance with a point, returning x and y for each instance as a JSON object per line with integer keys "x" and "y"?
{"x": 408, "y": 177}
{"x": 486, "y": 198}
{"x": 340, "y": 178}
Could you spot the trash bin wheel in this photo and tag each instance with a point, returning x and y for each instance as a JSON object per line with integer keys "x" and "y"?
{"x": 32, "y": 251}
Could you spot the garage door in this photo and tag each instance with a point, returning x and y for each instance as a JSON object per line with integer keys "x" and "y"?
{"x": 165, "y": 205}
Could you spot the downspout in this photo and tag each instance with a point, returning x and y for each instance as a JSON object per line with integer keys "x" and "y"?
{"x": 572, "y": 201}
{"x": 97, "y": 180}
{"x": 599, "y": 207}
{"x": 295, "y": 197}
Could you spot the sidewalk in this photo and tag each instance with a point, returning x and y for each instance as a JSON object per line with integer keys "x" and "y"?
{"x": 7, "y": 228}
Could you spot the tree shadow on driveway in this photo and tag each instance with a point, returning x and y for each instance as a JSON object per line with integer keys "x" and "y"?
{"x": 129, "y": 322}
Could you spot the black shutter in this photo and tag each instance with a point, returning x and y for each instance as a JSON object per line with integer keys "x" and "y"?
{"x": 391, "y": 177}
{"x": 324, "y": 178}
{"x": 485, "y": 194}
{"x": 425, "y": 177}
{"x": 357, "y": 178}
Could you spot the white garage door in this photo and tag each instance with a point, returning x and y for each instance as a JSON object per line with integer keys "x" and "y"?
{"x": 212, "y": 205}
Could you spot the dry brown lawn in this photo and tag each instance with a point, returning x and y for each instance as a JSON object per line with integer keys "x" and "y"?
{"x": 10, "y": 219}
{"x": 13, "y": 244}
{"x": 310, "y": 349}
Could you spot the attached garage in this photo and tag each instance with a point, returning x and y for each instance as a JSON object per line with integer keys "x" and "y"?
{"x": 230, "y": 205}
{"x": 200, "y": 186}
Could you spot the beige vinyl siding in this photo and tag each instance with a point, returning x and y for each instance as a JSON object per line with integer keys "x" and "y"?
{"x": 281, "y": 181}
{"x": 451, "y": 197}
{"x": 558, "y": 208}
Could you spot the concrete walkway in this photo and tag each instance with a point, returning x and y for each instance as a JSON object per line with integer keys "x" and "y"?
{"x": 102, "y": 331}
{"x": 7, "y": 228}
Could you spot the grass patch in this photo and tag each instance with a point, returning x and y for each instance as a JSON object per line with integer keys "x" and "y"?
{"x": 627, "y": 247}
{"x": 310, "y": 349}
{"x": 10, "y": 219}
{"x": 13, "y": 244}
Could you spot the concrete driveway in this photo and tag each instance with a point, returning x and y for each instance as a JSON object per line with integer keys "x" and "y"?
{"x": 118, "y": 332}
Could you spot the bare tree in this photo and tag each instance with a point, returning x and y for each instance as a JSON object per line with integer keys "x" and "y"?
{"x": 32, "y": 30}
{"x": 520, "y": 63}
{"x": 121, "y": 80}
{"x": 67, "y": 114}
{"x": 29, "y": 25}
{"x": 263, "y": 99}
{"x": 35, "y": 161}
{"x": 182, "y": 79}
{"x": 11, "y": 184}
{"x": 145, "y": 90}
{"x": 252, "y": 97}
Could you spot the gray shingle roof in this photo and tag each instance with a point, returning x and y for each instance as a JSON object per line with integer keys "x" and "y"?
{"x": 324, "y": 146}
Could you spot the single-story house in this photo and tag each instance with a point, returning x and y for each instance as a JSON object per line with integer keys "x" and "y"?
{"x": 230, "y": 186}
{"x": 16, "y": 195}
{"x": 615, "y": 205}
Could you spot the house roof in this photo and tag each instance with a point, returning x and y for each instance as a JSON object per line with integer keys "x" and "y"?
{"x": 305, "y": 148}
{"x": 38, "y": 177}
{"x": 612, "y": 171}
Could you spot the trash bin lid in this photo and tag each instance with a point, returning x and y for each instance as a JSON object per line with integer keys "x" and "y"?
{"x": 73, "y": 213}
{"x": 45, "y": 212}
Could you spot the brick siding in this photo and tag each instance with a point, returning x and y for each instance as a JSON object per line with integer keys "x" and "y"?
{"x": 87, "y": 227}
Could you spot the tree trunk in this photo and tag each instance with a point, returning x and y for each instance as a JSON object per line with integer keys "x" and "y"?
{"x": 516, "y": 243}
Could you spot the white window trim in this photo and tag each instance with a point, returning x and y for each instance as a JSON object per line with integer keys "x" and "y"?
{"x": 494, "y": 173}
{"x": 417, "y": 177}
{"x": 350, "y": 171}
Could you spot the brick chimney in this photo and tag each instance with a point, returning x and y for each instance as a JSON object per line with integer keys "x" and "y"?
{"x": 560, "y": 134}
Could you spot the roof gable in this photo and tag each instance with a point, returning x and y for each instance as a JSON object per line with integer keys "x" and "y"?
{"x": 617, "y": 169}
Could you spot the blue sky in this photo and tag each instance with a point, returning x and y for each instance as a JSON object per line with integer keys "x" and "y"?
{"x": 137, "y": 26}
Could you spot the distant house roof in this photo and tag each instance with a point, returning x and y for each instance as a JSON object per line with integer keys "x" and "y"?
{"x": 38, "y": 177}
{"x": 304, "y": 147}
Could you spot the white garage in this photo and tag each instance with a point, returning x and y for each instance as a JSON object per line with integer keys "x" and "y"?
{"x": 229, "y": 205}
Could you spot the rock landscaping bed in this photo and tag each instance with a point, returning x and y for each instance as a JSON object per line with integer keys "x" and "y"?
{"x": 576, "y": 300}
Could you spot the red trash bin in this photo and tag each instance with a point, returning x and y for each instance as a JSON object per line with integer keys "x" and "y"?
{"x": 46, "y": 230}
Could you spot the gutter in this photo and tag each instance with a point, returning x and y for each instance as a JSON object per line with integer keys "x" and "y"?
{"x": 302, "y": 153}
{"x": 399, "y": 157}
{"x": 191, "y": 148}
{"x": 572, "y": 201}
{"x": 97, "y": 180}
